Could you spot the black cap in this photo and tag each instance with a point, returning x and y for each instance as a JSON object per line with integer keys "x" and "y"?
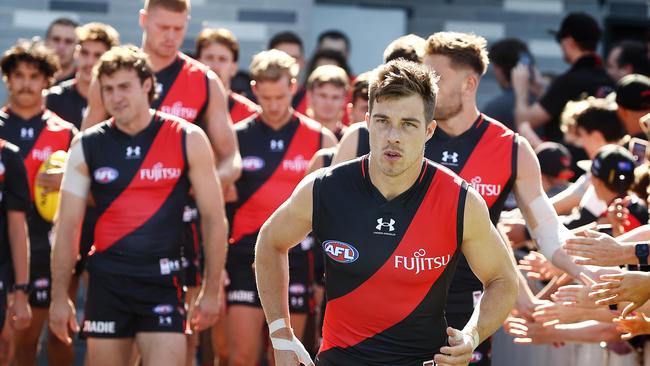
{"x": 614, "y": 165}
{"x": 554, "y": 160}
{"x": 582, "y": 27}
{"x": 633, "y": 92}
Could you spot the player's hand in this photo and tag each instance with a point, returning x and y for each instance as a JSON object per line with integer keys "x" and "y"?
{"x": 288, "y": 350}
{"x": 206, "y": 311}
{"x": 633, "y": 287}
{"x": 459, "y": 351}
{"x": 20, "y": 313}
{"x": 63, "y": 318}
{"x": 632, "y": 326}
{"x": 50, "y": 180}
{"x": 596, "y": 249}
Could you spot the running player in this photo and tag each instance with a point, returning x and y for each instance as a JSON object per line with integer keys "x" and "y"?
{"x": 276, "y": 147}
{"x": 61, "y": 39}
{"x": 14, "y": 248}
{"x": 219, "y": 49}
{"x": 68, "y": 99}
{"x": 28, "y": 69}
{"x": 139, "y": 167}
{"x": 386, "y": 276}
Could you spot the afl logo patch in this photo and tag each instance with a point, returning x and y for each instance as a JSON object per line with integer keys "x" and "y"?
{"x": 476, "y": 357}
{"x": 105, "y": 175}
{"x": 340, "y": 251}
{"x": 252, "y": 163}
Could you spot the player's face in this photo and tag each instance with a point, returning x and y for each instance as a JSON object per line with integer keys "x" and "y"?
{"x": 449, "y": 102}
{"x": 275, "y": 99}
{"x": 123, "y": 94}
{"x": 327, "y": 102}
{"x": 25, "y": 85}
{"x": 220, "y": 60}
{"x": 62, "y": 41}
{"x": 357, "y": 110}
{"x": 164, "y": 30}
{"x": 398, "y": 133}
{"x": 88, "y": 53}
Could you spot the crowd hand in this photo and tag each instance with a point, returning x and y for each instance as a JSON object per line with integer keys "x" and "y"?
{"x": 520, "y": 77}
{"x": 288, "y": 350}
{"x": 576, "y": 295}
{"x": 596, "y": 249}
{"x": 537, "y": 267}
{"x": 632, "y": 287}
{"x": 19, "y": 311}
{"x": 63, "y": 318}
{"x": 618, "y": 215}
{"x": 526, "y": 305}
{"x": 529, "y": 332}
{"x": 557, "y": 313}
{"x": 205, "y": 312}
{"x": 50, "y": 180}
{"x": 632, "y": 325}
{"x": 459, "y": 351}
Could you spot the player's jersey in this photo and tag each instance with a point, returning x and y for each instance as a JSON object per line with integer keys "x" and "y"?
{"x": 14, "y": 196}
{"x": 64, "y": 100}
{"x": 37, "y": 138}
{"x": 273, "y": 163}
{"x": 182, "y": 89}
{"x": 388, "y": 264}
{"x": 240, "y": 107}
{"x": 486, "y": 157}
{"x": 300, "y": 100}
{"x": 140, "y": 187}
{"x": 363, "y": 142}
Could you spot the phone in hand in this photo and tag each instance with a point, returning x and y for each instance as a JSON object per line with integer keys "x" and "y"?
{"x": 526, "y": 59}
{"x": 638, "y": 148}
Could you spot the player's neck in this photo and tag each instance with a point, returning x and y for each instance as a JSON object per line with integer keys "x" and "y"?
{"x": 332, "y": 125}
{"x": 64, "y": 71}
{"x": 82, "y": 87}
{"x": 277, "y": 123}
{"x": 26, "y": 112}
{"x": 392, "y": 186}
{"x": 138, "y": 123}
{"x": 159, "y": 62}
{"x": 458, "y": 124}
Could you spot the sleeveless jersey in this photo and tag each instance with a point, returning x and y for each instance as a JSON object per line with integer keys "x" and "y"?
{"x": 37, "y": 138}
{"x": 64, "y": 100}
{"x": 140, "y": 187}
{"x": 240, "y": 107}
{"x": 388, "y": 273}
{"x": 273, "y": 163}
{"x": 486, "y": 157}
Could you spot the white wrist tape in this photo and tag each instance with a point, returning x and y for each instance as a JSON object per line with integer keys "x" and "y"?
{"x": 549, "y": 234}
{"x": 473, "y": 338}
{"x": 293, "y": 345}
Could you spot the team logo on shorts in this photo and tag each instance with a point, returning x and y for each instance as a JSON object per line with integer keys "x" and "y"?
{"x": 252, "y": 163}
{"x": 476, "y": 357}
{"x": 105, "y": 175}
{"x": 340, "y": 251}
{"x": 163, "y": 309}
{"x": 41, "y": 283}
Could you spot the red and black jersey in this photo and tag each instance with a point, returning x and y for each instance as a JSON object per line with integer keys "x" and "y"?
{"x": 300, "y": 100}
{"x": 486, "y": 157}
{"x": 140, "y": 187}
{"x": 37, "y": 138}
{"x": 64, "y": 100}
{"x": 240, "y": 107}
{"x": 387, "y": 275}
{"x": 14, "y": 196}
{"x": 273, "y": 163}
{"x": 182, "y": 89}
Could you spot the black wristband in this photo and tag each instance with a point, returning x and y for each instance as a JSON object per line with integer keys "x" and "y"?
{"x": 24, "y": 287}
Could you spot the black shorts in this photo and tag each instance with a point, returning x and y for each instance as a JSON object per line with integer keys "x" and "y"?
{"x": 120, "y": 306}
{"x": 482, "y": 355}
{"x": 191, "y": 256}
{"x": 243, "y": 289}
{"x": 40, "y": 281}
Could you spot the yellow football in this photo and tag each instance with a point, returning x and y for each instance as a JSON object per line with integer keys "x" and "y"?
{"x": 47, "y": 203}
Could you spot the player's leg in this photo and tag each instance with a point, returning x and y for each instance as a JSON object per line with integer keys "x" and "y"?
{"x": 108, "y": 351}
{"x": 27, "y": 339}
{"x": 162, "y": 349}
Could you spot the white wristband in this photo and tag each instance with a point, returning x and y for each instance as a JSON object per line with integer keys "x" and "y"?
{"x": 278, "y": 324}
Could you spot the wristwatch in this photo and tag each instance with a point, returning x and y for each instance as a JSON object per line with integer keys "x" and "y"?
{"x": 24, "y": 287}
{"x": 641, "y": 250}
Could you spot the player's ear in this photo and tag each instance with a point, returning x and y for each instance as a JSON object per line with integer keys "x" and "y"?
{"x": 431, "y": 128}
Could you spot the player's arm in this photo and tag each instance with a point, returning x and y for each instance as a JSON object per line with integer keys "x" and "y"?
{"x": 68, "y": 219}
{"x": 207, "y": 192}
{"x": 541, "y": 218}
{"x": 16, "y": 197}
{"x": 221, "y": 133}
{"x": 96, "y": 112}
{"x": 288, "y": 225}
{"x": 348, "y": 145}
